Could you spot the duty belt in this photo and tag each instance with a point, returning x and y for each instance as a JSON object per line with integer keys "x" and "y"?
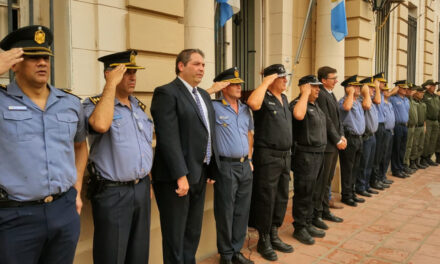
{"x": 48, "y": 199}
{"x": 241, "y": 159}
{"x": 109, "y": 183}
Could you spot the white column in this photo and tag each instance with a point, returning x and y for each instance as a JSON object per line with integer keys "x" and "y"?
{"x": 329, "y": 52}
{"x": 199, "y": 33}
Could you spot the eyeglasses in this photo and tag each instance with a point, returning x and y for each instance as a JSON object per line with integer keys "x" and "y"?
{"x": 333, "y": 78}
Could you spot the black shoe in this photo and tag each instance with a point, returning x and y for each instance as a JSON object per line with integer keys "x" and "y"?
{"x": 319, "y": 223}
{"x": 384, "y": 184}
{"x": 225, "y": 261}
{"x": 376, "y": 186}
{"x": 372, "y": 191}
{"x": 419, "y": 164}
{"x": 399, "y": 175}
{"x": 363, "y": 193}
{"x": 424, "y": 163}
{"x": 331, "y": 217}
{"x": 413, "y": 165}
{"x": 238, "y": 258}
{"x": 265, "y": 248}
{"x": 276, "y": 242}
{"x": 349, "y": 202}
{"x": 358, "y": 200}
{"x": 314, "y": 232}
{"x": 407, "y": 170}
{"x": 431, "y": 163}
{"x": 303, "y": 236}
{"x": 386, "y": 181}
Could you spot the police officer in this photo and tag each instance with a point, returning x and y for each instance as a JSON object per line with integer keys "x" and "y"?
{"x": 310, "y": 139}
{"x": 363, "y": 172}
{"x": 389, "y": 123}
{"x": 401, "y": 109}
{"x": 419, "y": 133}
{"x": 376, "y": 178}
{"x": 353, "y": 120}
{"x": 273, "y": 141}
{"x": 412, "y": 123}
{"x": 233, "y": 187}
{"x": 44, "y": 154}
{"x": 120, "y": 159}
{"x": 432, "y": 102}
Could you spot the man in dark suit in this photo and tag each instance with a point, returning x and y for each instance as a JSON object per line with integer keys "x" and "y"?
{"x": 335, "y": 141}
{"x": 184, "y": 121}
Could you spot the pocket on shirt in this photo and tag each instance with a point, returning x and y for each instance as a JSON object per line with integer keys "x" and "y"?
{"x": 67, "y": 123}
{"x": 224, "y": 121}
{"x": 18, "y": 125}
{"x": 119, "y": 129}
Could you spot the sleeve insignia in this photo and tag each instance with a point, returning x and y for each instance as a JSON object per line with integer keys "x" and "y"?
{"x": 141, "y": 105}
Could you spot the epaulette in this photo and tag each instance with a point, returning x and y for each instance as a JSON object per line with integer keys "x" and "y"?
{"x": 141, "y": 105}
{"x": 95, "y": 99}
{"x": 70, "y": 92}
{"x": 3, "y": 87}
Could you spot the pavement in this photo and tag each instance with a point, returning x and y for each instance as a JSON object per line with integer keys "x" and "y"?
{"x": 399, "y": 225}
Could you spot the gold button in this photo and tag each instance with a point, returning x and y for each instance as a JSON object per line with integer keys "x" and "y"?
{"x": 136, "y": 181}
{"x": 48, "y": 199}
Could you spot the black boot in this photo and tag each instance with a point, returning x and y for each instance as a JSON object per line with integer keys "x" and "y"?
{"x": 430, "y": 162}
{"x": 265, "y": 248}
{"x": 437, "y": 157}
{"x": 412, "y": 165}
{"x": 314, "y": 232}
{"x": 423, "y": 162}
{"x": 407, "y": 170}
{"x": 276, "y": 242}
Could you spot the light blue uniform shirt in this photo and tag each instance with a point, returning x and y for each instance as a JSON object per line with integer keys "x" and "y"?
{"x": 380, "y": 109}
{"x": 37, "y": 147}
{"x": 353, "y": 120}
{"x": 232, "y": 129}
{"x": 401, "y": 108}
{"x": 371, "y": 118}
{"x": 390, "y": 119}
{"x": 124, "y": 153}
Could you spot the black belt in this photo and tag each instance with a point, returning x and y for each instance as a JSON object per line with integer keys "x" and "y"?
{"x": 109, "y": 183}
{"x": 45, "y": 200}
{"x": 349, "y": 133}
{"x": 277, "y": 153}
{"x": 400, "y": 124}
{"x": 367, "y": 135}
{"x": 241, "y": 159}
{"x": 420, "y": 125}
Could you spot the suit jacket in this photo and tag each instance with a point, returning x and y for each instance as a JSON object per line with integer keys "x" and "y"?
{"x": 335, "y": 130}
{"x": 181, "y": 136}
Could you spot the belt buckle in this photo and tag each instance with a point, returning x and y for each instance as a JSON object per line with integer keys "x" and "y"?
{"x": 136, "y": 181}
{"x": 48, "y": 199}
{"x": 242, "y": 159}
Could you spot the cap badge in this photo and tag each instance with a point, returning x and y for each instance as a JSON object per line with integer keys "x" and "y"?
{"x": 236, "y": 73}
{"x": 132, "y": 58}
{"x": 40, "y": 37}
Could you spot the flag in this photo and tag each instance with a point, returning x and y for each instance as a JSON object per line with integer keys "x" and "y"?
{"x": 338, "y": 20}
{"x": 228, "y": 8}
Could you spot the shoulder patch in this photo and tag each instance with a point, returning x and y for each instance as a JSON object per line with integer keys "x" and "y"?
{"x": 95, "y": 99}
{"x": 141, "y": 105}
{"x": 70, "y": 92}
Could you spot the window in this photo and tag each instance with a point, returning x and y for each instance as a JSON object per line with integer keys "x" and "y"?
{"x": 412, "y": 46}
{"x": 382, "y": 39}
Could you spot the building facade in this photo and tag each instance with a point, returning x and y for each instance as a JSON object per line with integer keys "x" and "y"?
{"x": 398, "y": 37}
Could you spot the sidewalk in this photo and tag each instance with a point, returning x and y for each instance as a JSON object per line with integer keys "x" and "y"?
{"x": 399, "y": 225}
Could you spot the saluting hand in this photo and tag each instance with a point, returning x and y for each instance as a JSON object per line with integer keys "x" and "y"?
{"x": 115, "y": 76}
{"x": 9, "y": 58}
{"x": 183, "y": 186}
{"x": 305, "y": 89}
{"x": 350, "y": 90}
{"x": 217, "y": 87}
{"x": 365, "y": 90}
{"x": 268, "y": 80}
